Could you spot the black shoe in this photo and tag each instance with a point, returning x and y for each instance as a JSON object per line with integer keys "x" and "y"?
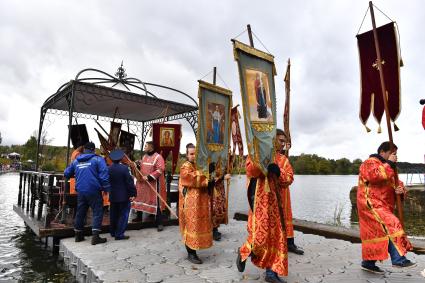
{"x": 406, "y": 263}
{"x": 96, "y": 239}
{"x": 160, "y": 228}
{"x": 373, "y": 269}
{"x": 294, "y": 249}
{"x": 122, "y": 238}
{"x": 274, "y": 279}
{"x": 239, "y": 263}
{"x": 79, "y": 236}
{"x": 216, "y": 236}
{"x": 193, "y": 258}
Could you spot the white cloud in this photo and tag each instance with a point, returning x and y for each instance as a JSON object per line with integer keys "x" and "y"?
{"x": 44, "y": 44}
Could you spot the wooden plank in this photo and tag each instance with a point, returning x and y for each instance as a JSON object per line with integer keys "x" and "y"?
{"x": 333, "y": 232}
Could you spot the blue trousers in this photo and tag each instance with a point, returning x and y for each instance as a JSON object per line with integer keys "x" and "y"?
{"x": 95, "y": 202}
{"x": 118, "y": 213}
{"x": 396, "y": 258}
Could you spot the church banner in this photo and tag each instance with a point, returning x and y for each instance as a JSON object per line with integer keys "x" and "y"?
{"x": 166, "y": 139}
{"x": 236, "y": 136}
{"x": 371, "y": 95}
{"x": 256, "y": 75}
{"x": 213, "y": 135}
{"x": 127, "y": 143}
{"x": 79, "y": 135}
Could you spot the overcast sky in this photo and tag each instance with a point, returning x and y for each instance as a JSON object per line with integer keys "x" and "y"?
{"x": 175, "y": 43}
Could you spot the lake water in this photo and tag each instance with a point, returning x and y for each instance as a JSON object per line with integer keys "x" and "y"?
{"x": 23, "y": 257}
{"x": 313, "y": 198}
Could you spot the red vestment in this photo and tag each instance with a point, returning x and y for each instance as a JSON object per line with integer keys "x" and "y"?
{"x": 284, "y": 165}
{"x": 146, "y": 199}
{"x": 375, "y": 205}
{"x": 194, "y": 208}
{"x": 266, "y": 240}
{"x": 219, "y": 204}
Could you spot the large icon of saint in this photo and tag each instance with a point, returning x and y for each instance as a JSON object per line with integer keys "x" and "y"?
{"x": 261, "y": 96}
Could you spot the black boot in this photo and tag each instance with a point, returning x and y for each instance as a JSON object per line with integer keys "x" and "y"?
{"x": 79, "y": 236}
{"x": 292, "y": 248}
{"x": 239, "y": 263}
{"x": 216, "y": 234}
{"x": 96, "y": 239}
{"x": 139, "y": 217}
{"x": 193, "y": 258}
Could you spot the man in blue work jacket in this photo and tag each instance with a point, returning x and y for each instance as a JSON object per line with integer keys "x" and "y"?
{"x": 92, "y": 177}
{"x": 122, "y": 193}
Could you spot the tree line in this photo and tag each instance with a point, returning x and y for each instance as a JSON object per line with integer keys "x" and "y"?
{"x": 53, "y": 158}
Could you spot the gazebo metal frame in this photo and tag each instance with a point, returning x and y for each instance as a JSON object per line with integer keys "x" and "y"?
{"x": 96, "y": 97}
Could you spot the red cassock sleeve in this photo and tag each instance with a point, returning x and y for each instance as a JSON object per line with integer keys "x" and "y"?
{"x": 375, "y": 172}
{"x": 286, "y": 172}
{"x": 159, "y": 167}
{"x": 191, "y": 178}
{"x": 252, "y": 171}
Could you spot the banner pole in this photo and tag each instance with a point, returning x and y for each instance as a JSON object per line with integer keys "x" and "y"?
{"x": 251, "y": 40}
{"x": 385, "y": 99}
{"x": 287, "y": 80}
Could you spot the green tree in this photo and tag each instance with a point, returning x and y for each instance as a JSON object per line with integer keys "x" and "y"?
{"x": 1, "y": 139}
{"x": 30, "y": 148}
{"x": 305, "y": 164}
{"x": 343, "y": 166}
{"x": 324, "y": 167}
{"x": 355, "y": 166}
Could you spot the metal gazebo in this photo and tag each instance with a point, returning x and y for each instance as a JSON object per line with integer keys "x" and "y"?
{"x": 97, "y": 97}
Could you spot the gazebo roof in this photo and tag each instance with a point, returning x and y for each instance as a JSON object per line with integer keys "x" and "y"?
{"x": 92, "y": 97}
{"x": 103, "y": 101}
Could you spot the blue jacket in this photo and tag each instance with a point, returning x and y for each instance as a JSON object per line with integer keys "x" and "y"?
{"x": 91, "y": 174}
{"x": 122, "y": 183}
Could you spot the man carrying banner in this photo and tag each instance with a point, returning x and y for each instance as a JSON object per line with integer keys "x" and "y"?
{"x": 194, "y": 207}
{"x": 283, "y": 163}
{"x": 380, "y": 230}
{"x": 266, "y": 242}
{"x": 152, "y": 167}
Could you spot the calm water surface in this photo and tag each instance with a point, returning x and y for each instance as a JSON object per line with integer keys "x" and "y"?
{"x": 23, "y": 257}
{"x": 313, "y": 197}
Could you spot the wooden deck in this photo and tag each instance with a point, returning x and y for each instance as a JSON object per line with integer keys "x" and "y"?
{"x": 58, "y": 230}
{"x": 47, "y": 208}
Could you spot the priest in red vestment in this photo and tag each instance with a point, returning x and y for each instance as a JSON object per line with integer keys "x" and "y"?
{"x": 266, "y": 243}
{"x": 194, "y": 207}
{"x": 381, "y": 232}
{"x": 152, "y": 167}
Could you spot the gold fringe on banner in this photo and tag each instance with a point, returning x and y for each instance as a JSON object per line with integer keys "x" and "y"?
{"x": 367, "y": 128}
{"x": 396, "y": 128}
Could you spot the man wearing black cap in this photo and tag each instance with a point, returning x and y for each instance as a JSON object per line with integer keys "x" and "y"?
{"x": 92, "y": 177}
{"x": 123, "y": 191}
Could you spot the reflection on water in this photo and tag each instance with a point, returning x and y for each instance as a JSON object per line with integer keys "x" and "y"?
{"x": 22, "y": 256}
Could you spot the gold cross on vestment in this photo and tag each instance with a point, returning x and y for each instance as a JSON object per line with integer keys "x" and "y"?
{"x": 375, "y": 65}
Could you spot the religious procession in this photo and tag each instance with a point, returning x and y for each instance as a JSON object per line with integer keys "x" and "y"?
{"x": 105, "y": 178}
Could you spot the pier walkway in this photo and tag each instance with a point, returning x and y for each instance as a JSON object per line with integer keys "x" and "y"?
{"x": 151, "y": 256}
